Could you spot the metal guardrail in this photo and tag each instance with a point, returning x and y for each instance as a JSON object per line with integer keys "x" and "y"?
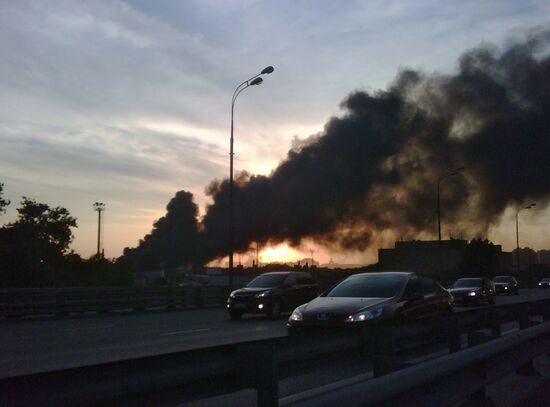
{"x": 196, "y": 374}
{"x": 445, "y": 381}
{"x": 15, "y": 303}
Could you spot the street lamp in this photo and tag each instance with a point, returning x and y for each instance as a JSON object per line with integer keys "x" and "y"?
{"x": 441, "y": 178}
{"x": 255, "y": 80}
{"x": 99, "y": 207}
{"x": 517, "y": 231}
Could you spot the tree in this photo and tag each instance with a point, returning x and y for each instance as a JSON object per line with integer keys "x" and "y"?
{"x": 480, "y": 258}
{"x": 33, "y": 248}
{"x": 3, "y": 202}
{"x": 527, "y": 256}
{"x": 51, "y": 225}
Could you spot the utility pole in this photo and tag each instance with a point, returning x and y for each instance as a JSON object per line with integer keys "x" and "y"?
{"x": 517, "y": 232}
{"x": 99, "y": 207}
{"x": 255, "y": 80}
{"x": 439, "y": 246}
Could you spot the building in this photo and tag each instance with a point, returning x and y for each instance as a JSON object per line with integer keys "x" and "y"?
{"x": 308, "y": 262}
{"x": 425, "y": 256}
{"x": 422, "y": 256}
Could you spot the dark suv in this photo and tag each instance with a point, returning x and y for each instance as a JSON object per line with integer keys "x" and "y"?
{"x": 473, "y": 291}
{"x": 506, "y": 285}
{"x": 273, "y": 293}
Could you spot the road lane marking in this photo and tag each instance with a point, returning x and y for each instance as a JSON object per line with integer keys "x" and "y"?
{"x": 190, "y": 331}
{"x": 87, "y": 328}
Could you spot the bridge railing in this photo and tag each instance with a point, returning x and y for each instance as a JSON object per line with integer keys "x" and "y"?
{"x": 60, "y": 301}
{"x": 196, "y": 374}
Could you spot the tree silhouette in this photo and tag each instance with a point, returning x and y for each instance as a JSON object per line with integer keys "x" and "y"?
{"x": 3, "y": 202}
{"x": 480, "y": 258}
{"x": 52, "y": 225}
{"x": 527, "y": 256}
{"x": 33, "y": 248}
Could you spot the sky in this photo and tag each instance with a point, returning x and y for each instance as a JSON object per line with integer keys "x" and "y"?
{"x": 127, "y": 102}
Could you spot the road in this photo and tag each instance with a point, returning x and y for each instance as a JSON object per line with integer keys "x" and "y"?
{"x": 30, "y": 346}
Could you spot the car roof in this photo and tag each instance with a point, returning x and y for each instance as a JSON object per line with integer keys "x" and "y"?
{"x": 387, "y": 273}
{"x": 286, "y": 273}
{"x": 276, "y": 272}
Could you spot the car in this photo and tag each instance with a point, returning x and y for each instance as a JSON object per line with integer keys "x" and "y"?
{"x": 473, "y": 291}
{"x": 544, "y": 283}
{"x": 371, "y": 298}
{"x": 506, "y": 285}
{"x": 272, "y": 294}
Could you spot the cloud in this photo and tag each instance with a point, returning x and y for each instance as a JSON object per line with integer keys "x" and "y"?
{"x": 87, "y": 87}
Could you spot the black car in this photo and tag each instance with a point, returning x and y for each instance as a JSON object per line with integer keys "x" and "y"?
{"x": 473, "y": 291}
{"x": 544, "y": 283}
{"x": 273, "y": 293}
{"x": 369, "y": 298}
{"x": 506, "y": 285}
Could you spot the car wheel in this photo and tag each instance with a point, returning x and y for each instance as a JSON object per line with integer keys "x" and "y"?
{"x": 275, "y": 310}
{"x": 235, "y": 314}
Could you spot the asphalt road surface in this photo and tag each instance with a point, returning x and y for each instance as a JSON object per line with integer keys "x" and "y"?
{"x": 29, "y": 346}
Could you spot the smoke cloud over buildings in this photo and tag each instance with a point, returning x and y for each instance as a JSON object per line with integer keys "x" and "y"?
{"x": 373, "y": 171}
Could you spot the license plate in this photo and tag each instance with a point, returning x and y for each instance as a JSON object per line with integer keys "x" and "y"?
{"x": 239, "y": 305}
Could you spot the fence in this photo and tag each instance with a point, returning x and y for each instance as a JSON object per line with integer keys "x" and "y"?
{"x": 196, "y": 374}
{"x": 22, "y": 302}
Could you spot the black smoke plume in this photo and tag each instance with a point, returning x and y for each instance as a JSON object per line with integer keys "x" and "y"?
{"x": 373, "y": 172}
{"x": 174, "y": 240}
{"x": 371, "y": 175}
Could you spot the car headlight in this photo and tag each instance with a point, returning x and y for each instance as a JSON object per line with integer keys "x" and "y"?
{"x": 263, "y": 295}
{"x": 505, "y": 287}
{"x": 296, "y": 315}
{"x": 365, "y": 315}
{"x": 472, "y": 294}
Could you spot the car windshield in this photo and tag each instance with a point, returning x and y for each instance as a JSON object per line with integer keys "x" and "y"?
{"x": 367, "y": 286}
{"x": 267, "y": 280}
{"x": 467, "y": 282}
{"x": 503, "y": 279}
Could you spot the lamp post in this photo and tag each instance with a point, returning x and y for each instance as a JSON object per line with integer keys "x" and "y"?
{"x": 517, "y": 232}
{"x": 440, "y": 179}
{"x": 255, "y": 80}
{"x": 99, "y": 207}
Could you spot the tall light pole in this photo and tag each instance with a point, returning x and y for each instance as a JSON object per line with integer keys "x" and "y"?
{"x": 440, "y": 179}
{"x": 517, "y": 231}
{"x": 255, "y": 80}
{"x": 99, "y": 207}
